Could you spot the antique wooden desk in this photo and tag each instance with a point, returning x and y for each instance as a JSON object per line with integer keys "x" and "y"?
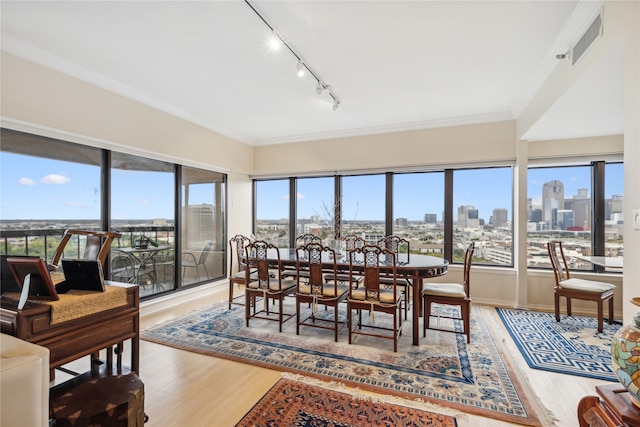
{"x": 83, "y": 336}
{"x": 613, "y": 408}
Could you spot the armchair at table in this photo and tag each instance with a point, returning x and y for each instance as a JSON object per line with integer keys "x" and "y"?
{"x": 195, "y": 259}
{"x": 24, "y": 383}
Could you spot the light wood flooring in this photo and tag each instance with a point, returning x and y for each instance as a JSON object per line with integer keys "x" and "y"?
{"x": 189, "y": 389}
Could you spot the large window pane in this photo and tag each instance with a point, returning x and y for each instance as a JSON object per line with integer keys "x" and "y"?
{"x": 47, "y": 186}
{"x": 614, "y": 202}
{"x": 203, "y": 238}
{"x": 142, "y": 205}
{"x": 363, "y": 206}
{"x": 418, "y": 205}
{"x": 316, "y": 207}
{"x": 483, "y": 212}
{"x": 272, "y": 212}
{"x": 559, "y": 207}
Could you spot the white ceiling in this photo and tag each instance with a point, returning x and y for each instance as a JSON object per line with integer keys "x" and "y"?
{"x": 393, "y": 64}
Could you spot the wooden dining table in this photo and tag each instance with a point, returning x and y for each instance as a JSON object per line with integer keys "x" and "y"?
{"x": 414, "y": 267}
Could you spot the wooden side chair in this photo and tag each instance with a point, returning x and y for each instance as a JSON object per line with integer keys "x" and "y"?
{"x": 374, "y": 296}
{"x": 96, "y": 245}
{"x": 454, "y": 294}
{"x": 316, "y": 290}
{"x": 301, "y": 241}
{"x": 402, "y": 249}
{"x": 351, "y": 242}
{"x": 263, "y": 283}
{"x": 236, "y": 278}
{"x": 569, "y": 287}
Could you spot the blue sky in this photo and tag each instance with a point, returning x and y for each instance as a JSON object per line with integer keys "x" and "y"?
{"x": 34, "y": 188}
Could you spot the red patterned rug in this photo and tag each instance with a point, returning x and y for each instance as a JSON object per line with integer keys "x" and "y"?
{"x": 292, "y": 403}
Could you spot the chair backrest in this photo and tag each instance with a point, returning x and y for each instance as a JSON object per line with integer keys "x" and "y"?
{"x": 236, "y": 247}
{"x": 316, "y": 259}
{"x": 205, "y": 253}
{"x": 305, "y": 239}
{"x": 123, "y": 266}
{"x": 97, "y": 245}
{"x": 468, "y": 256}
{"x": 558, "y": 261}
{"x": 366, "y": 261}
{"x": 262, "y": 255}
{"x": 352, "y": 241}
{"x": 398, "y": 245}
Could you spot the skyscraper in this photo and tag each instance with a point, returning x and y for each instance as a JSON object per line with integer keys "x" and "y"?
{"x": 552, "y": 199}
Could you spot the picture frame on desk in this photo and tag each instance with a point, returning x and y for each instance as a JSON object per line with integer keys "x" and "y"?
{"x": 40, "y": 285}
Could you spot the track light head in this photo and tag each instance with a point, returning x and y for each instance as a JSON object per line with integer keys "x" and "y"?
{"x": 320, "y": 87}
{"x": 336, "y": 104}
{"x": 274, "y": 41}
{"x": 300, "y": 67}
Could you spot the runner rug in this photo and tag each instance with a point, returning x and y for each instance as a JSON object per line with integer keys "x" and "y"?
{"x": 572, "y": 346}
{"x": 476, "y": 378}
{"x": 292, "y": 403}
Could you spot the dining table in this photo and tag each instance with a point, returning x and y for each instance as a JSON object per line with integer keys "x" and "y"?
{"x": 415, "y": 267}
{"x": 144, "y": 257}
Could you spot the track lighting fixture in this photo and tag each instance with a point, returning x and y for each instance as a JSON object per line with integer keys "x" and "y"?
{"x": 276, "y": 41}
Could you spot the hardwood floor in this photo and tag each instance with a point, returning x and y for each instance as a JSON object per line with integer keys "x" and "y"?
{"x": 189, "y": 389}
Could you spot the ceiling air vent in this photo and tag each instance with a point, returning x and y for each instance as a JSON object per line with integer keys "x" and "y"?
{"x": 586, "y": 41}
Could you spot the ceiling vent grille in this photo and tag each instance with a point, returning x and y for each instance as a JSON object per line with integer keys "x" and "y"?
{"x": 587, "y": 40}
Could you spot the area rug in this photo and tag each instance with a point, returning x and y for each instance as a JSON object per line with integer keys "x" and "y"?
{"x": 292, "y": 403}
{"x": 572, "y": 346}
{"x": 476, "y": 378}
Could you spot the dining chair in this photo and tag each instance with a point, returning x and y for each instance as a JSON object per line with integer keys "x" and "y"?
{"x": 236, "y": 250}
{"x": 96, "y": 245}
{"x": 265, "y": 284}
{"x": 301, "y": 241}
{"x": 402, "y": 249}
{"x": 351, "y": 242}
{"x": 570, "y": 287}
{"x": 316, "y": 290}
{"x": 195, "y": 259}
{"x": 452, "y": 294}
{"x": 374, "y": 296}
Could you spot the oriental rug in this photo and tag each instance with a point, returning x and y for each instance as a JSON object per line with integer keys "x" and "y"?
{"x": 292, "y": 403}
{"x": 476, "y": 378}
{"x": 572, "y": 346}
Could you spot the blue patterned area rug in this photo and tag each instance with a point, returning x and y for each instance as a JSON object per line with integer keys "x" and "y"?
{"x": 444, "y": 370}
{"x": 572, "y": 346}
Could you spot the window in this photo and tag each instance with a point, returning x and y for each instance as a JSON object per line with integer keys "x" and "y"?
{"x": 561, "y": 203}
{"x": 363, "y": 206}
{"x": 47, "y": 186}
{"x": 316, "y": 207}
{"x": 482, "y": 212}
{"x": 272, "y": 211}
{"x": 418, "y": 209}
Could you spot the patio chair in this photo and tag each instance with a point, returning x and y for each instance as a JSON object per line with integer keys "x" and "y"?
{"x": 193, "y": 259}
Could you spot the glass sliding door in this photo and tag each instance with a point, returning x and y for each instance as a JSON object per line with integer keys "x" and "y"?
{"x": 203, "y": 237}
{"x": 142, "y": 209}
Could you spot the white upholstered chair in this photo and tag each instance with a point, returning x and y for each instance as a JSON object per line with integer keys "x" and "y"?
{"x": 24, "y": 383}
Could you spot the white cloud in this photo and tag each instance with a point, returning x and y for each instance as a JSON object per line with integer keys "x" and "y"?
{"x": 26, "y": 181}
{"x": 300, "y": 196}
{"x": 143, "y": 201}
{"x": 55, "y": 179}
